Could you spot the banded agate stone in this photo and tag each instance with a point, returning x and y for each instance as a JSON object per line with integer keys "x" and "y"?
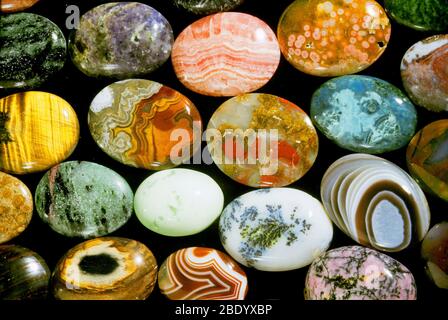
{"x": 435, "y": 254}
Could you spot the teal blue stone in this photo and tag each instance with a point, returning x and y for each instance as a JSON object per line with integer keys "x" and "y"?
{"x": 83, "y": 199}
{"x": 364, "y": 114}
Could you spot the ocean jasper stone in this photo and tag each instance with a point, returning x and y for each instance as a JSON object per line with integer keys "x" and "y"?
{"x": 435, "y": 253}
{"x": 427, "y": 158}
{"x": 226, "y": 54}
{"x": 262, "y": 140}
{"x": 8, "y": 6}
{"x": 428, "y": 15}
{"x": 424, "y": 73}
{"x": 37, "y": 131}
{"x": 105, "y": 269}
{"x": 178, "y": 202}
{"x": 334, "y": 37}
{"x": 357, "y": 273}
{"x": 121, "y": 40}
{"x": 83, "y": 199}
{"x": 135, "y": 122}
{"x": 32, "y": 50}
{"x": 24, "y": 275}
{"x": 202, "y": 274}
{"x": 277, "y": 229}
{"x": 364, "y": 114}
{"x": 16, "y": 207}
{"x": 375, "y": 202}
{"x": 207, "y": 6}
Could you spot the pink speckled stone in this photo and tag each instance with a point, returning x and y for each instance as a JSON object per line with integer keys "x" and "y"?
{"x": 358, "y": 273}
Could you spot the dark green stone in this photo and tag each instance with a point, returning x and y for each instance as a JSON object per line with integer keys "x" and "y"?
{"x": 32, "y": 49}
{"x": 207, "y": 6}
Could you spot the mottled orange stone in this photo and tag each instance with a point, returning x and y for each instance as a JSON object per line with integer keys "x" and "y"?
{"x": 16, "y": 5}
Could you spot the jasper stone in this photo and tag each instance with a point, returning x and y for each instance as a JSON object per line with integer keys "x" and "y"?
{"x": 121, "y": 40}
{"x": 435, "y": 254}
{"x": 83, "y": 199}
{"x": 33, "y": 49}
{"x": 9, "y": 6}
{"x": 427, "y": 15}
{"x": 364, "y": 114}
{"x": 207, "y": 6}
{"x": 16, "y": 207}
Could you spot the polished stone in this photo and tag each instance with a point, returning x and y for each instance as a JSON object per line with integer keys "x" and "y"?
{"x": 121, "y": 40}
{"x": 364, "y": 114}
{"x": 435, "y": 254}
{"x": 83, "y": 199}
{"x": 207, "y": 6}
{"x": 9, "y": 6}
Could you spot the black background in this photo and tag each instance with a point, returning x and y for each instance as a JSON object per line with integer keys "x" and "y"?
{"x": 289, "y": 83}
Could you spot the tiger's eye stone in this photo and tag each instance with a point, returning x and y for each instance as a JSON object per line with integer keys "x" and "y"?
{"x": 105, "y": 269}
{"x": 202, "y": 274}
{"x": 23, "y": 274}
{"x": 427, "y": 158}
{"x": 37, "y": 131}
{"x": 83, "y": 199}
{"x": 435, "y": 253}
{"x": 9, "y": 6}
{"x": 334, "y": 37}
{"x": 207, "y": 6}
{"x": 16, "y": 207}
{"x": 139, "y": 123}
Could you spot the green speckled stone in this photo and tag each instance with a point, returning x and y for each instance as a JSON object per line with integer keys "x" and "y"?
{"x": 425, "y": 15}
{"x": 32, "y": 48}
{"x": 207, "y": 6}
{"x": 83, "y": 199}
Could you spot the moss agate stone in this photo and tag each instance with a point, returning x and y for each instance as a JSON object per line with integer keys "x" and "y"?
{"x": 207, "y": 6}
{"x": 32, "y": 49}
{"x": 83, "y": 199}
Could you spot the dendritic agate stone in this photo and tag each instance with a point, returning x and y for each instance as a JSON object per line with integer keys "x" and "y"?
{"x": 435, "y": 254}
{"x": 357, "y": 273}
{"x": 207, "y": 6}
{"x": 275, "y": 229}
{"x": 202, "y": 274}
{"x": 105, "y": 269}
{"x": 375, "y": 202}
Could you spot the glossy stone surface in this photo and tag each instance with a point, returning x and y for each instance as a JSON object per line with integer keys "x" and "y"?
{"x": 424, "y": 72}
{"x": 83, "y": 199}
{"x": 207, "y": 6}
{"x": 281, "y": 143}
{"x": 37, "y": 131}
{"x": 107, "y": 268}
{"x": 133, "y": 122}
{"x": 364, "y": 114}
{"x": 178, "y": 202}
{"x": 16, "y": 207}
{"x": 277, "y": 229}
{"x": 357, "y": 273}
{"x": 375, "y": 202}
{"x": 335, "y": 37}
{"x": 121, "y": 40}
{"x": 202, "y": 274}
{"x": 427, "y": 158}
{"x": 24, "y": 274}
{"x": 226, "y": 54}
{"x": 33, "y": 49}
{"x": 435, "y": 254}
{"x": 428, "y": 15}
{"x": 8, "y": 6}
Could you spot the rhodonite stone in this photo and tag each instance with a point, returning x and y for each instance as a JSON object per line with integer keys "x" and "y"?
{"x": 23, "y": 274}
{"x": 107, "y": 268}
{"x": 32, "y": 49}
{"x": 428, "y": 15}
{"x": 16, "y": 207}
{"x": 83, "y": 199}
{"x": 37, "y": 131}
{"x": 275, "y": 229}
{"x": 427, "y": 158}
{"x": 335, "y": 37}
{"x": 364, "y": 114}
{"x": 435, "y": 254}
{"x": 121, "y": 40}
{"x": 424, "y": 73}
{"x": 262, "y": 140}
{"x": 178, "y": 202}
{"x": 357, "y": 273}
{"x": 133, "y": 121}
{"x": 226, "y": 54}
{"x": 207, "y": 6}
{"x": 9, "y": 6}
{"x": 202, "y": 274}
{"x": 375, "y": 202}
